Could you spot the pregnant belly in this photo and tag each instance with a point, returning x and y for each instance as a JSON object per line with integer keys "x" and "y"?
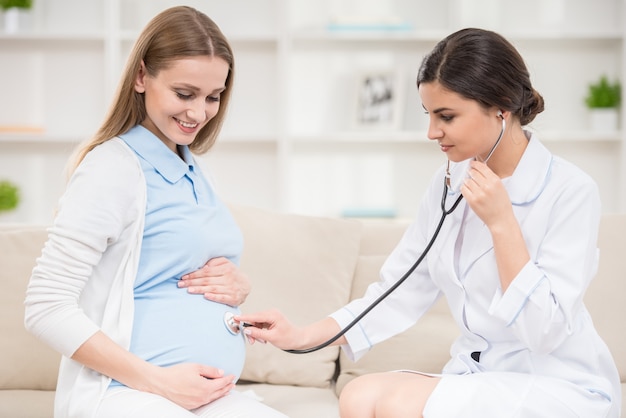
{"x": 178, "y": 327}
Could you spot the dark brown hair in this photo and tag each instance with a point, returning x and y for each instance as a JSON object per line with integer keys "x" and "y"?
{"x": 482, "y": 65}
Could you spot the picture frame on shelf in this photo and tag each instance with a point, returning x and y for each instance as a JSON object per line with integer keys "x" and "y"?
{"x": 378, "y": 100}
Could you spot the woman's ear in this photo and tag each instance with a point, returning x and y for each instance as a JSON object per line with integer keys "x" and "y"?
{"x": 140, "y": 86}
{"x": 503, "y": 114}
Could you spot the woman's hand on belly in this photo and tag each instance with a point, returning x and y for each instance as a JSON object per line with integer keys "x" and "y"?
{"x": 219, "y": 280}
{"x": 190, "y": 385}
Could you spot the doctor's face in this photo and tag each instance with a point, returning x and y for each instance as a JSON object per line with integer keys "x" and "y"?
{"x": 463, "y": 128}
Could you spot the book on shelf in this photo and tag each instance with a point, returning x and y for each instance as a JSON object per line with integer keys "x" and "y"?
{"x": 369, "y": 212}
{"x": 365, "y": 24}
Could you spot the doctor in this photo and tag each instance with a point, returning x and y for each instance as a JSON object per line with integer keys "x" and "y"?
{"x": 513, "y": 260}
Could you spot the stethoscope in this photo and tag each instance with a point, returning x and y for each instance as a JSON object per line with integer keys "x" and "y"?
{"x": 235, "y": 328}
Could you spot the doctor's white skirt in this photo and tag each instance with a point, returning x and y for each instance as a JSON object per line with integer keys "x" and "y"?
{"x": 513, "y": 395}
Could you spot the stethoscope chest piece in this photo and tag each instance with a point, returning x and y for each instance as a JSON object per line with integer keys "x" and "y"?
{"x": 231, "y": 325}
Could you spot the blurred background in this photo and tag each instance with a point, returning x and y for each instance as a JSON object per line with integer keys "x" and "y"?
{"x": 307, "y": 71}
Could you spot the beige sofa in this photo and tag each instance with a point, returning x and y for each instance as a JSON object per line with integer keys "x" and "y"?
{"x": 307, "y": 267}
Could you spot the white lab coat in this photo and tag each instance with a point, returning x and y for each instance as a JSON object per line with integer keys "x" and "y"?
{"x": 540, "y": 324}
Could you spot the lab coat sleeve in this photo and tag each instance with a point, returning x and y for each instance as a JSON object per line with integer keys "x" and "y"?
{"x": 405, "y": 305}
{"x": 95, "y": 208}
{"x": 542, "y": 303}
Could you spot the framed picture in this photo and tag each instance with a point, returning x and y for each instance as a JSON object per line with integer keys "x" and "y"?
{"x": 379, "y": 103}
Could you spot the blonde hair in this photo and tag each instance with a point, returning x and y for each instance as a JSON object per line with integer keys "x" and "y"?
{"x": 175, "y": 33}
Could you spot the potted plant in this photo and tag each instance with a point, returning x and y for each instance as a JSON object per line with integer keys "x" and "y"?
{"x": 603, "y": 100}
{"x": 9, "y": 196}
{"x": 12, "y": 9}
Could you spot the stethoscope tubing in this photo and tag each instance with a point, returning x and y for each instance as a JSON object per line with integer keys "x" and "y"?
{"x": 444, "y": 213}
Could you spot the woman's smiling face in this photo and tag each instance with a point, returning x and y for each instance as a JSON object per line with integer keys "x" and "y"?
{"x": 463, "y": 128}
{"x": 182, "y": 98}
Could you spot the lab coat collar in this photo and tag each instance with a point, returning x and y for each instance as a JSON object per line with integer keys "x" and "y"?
{"x": 528, "y": 180}
{"x": 531, "y": 174}
{"x": 525, "y": 185}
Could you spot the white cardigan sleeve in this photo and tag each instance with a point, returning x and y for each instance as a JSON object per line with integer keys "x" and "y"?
{"x": 99, "y": 204}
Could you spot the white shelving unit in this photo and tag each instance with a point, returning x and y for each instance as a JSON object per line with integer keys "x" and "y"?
{"x": 290, "y": 143}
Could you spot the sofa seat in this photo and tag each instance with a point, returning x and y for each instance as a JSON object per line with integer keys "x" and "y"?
{"x": 307, "y": 267}
{"x": 296, "y": 401}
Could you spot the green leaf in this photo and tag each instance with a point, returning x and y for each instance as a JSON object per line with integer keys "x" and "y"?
{"x": 20, "y": 4}
{"x": 9, "y": 196}
{"x": 604, "y": 94}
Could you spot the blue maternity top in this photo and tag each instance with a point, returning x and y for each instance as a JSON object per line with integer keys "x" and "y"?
{"x": 186, "y": 225}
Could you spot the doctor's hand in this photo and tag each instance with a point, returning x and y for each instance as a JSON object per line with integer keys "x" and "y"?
{"x": 192, "y": 385}
{"x": 271, "y": 326}
{"x": 485, "y": 194}
{"x": 219, "y": 280}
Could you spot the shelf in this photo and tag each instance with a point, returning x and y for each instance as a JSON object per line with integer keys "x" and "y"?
{"x": 131, "y": 36}
{"x": 564, "y": 35}
{"x": 412, "y": 36}
{"x": 35, "y": 137}
{"x": 580, "y": 136}
{"x": 364, "y": 137}
{"x": 433, "y": 36}
{"x": 39, "y": 38}
{"x": 39, "y": 138}
{"x": 239, "y": 143}
{"x": 420, "y": 137}
{"x": 291, "y": 120}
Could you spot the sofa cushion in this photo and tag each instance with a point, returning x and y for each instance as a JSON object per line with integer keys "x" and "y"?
{"x": 294, "y": 401}
{"x": 604, "y": 299}
{"x": 303, "y": 266}
{"x": 27, "y": 403}
{"x": 26, "y": 363}
{"x": 424, "y": 347}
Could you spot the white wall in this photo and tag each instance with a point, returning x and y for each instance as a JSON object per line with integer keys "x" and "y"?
{"x": 289, "y": 143}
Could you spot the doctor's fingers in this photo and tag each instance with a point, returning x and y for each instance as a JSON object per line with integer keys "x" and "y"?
{"x": 270, "y": 326}
{"x": 488, "y": 203}
{"x": 263, "y": 319}
{"x": 284, "y": 339}
{"x": 482, "y": 177}
{"x": 477, "y": 198}
{"x": 480, "y": 167}
{"x": 480, "y": 172}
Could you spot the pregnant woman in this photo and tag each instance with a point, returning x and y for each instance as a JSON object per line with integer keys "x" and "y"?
{"x": 137, "y": 230}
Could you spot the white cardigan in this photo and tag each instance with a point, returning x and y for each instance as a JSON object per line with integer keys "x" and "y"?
{"x": 83, "y": 281}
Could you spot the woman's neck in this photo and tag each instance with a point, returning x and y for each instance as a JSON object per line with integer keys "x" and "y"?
{"x": 509, "y": 152}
